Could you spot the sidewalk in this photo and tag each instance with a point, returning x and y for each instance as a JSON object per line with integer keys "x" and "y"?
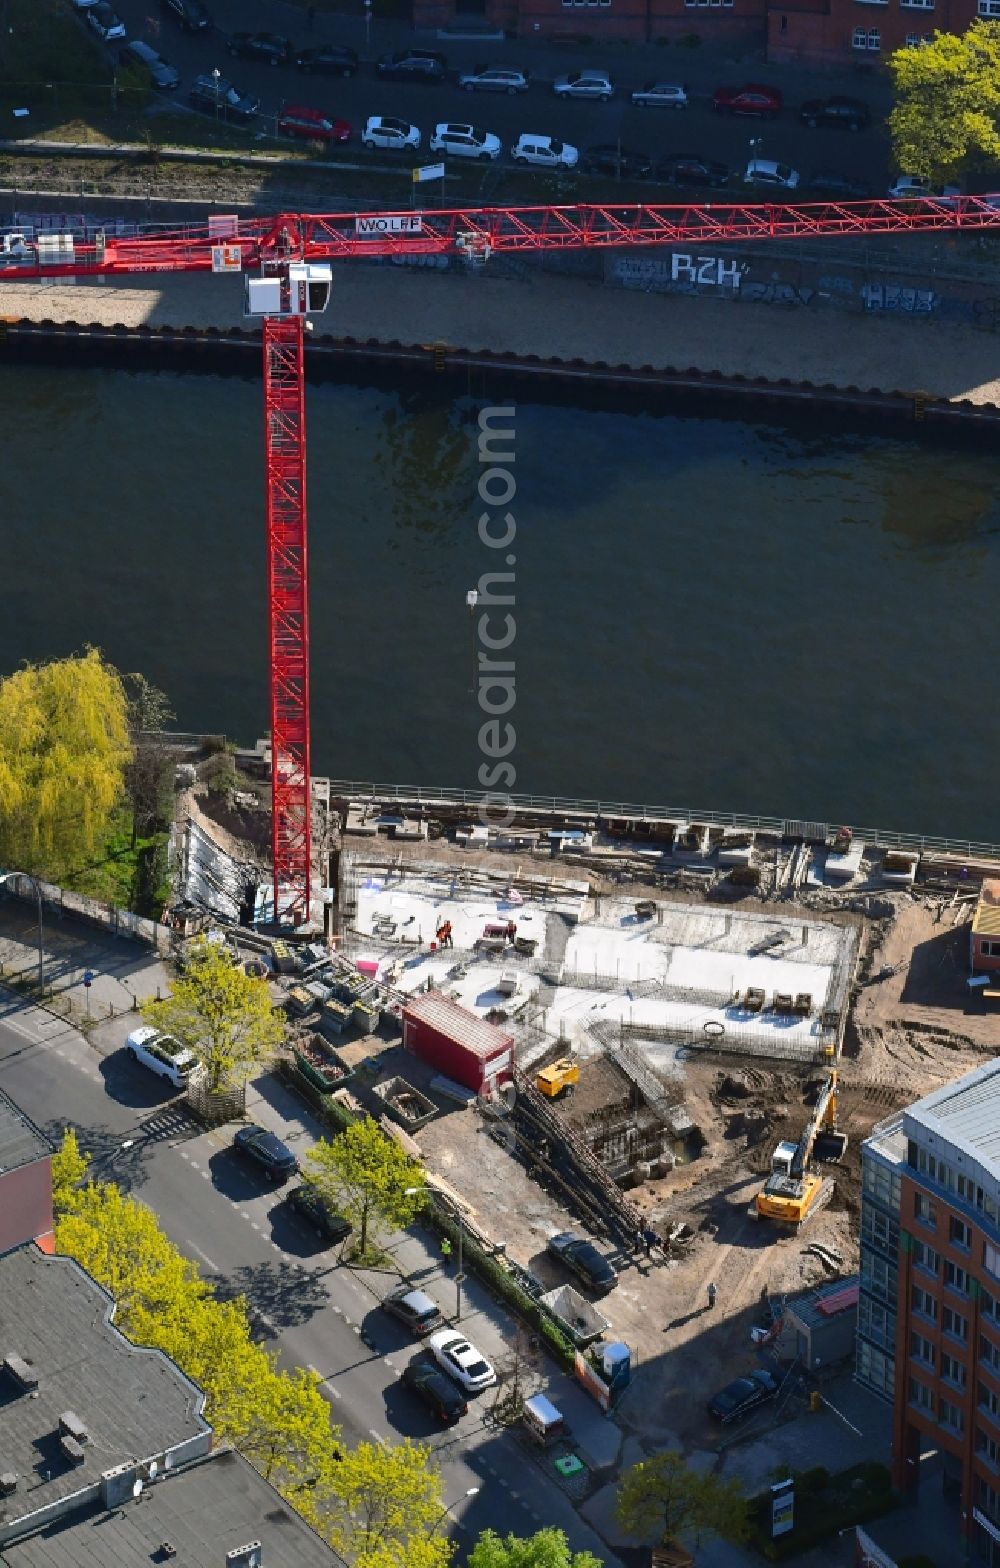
{"x": 124, "y": 970}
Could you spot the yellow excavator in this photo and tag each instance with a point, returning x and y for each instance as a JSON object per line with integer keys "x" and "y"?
{"x": 794, "y": 1191}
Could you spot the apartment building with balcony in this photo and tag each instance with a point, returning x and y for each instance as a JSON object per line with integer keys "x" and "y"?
{"x": 929, "y": 1309}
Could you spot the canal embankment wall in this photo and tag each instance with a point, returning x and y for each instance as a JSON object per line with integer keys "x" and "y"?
{"x": 577, "y": 321}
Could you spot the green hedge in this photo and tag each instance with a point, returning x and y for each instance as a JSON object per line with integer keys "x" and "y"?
{"x": 325, "y": 1106}
{"x": 824, "y": 1504}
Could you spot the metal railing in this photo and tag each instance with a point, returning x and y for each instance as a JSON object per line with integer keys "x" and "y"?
{"x": 561, "y": 805}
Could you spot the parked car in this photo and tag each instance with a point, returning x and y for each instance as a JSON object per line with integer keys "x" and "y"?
{"x": 162, "y": 1054}
{"x": 312, "y": 125}
{"x": 493, "y": 79}
{"x": 545, "y": 151}
{"x": 848, "y": 113}
{"x": 192, "y": 15}
{"x": 437, "y": 1391}
{"x": 267, "y": 1150}
{"x": 584, "y": 84}
{"x": 105, "y": 22}
{"x": 381, "y": 130}
{"x": 328, "y": 60}
{"x": 420, "y": 1314}
{"x": 309, "y": 1202}
{"x": 764, "y": 171}
{"x": 413, "y": 65}
{"x": 829, "y": 182}
{"x": 583, "y": 1259}
{"x": 661, "y": 95}
{"x": 737, "y": 1399}
{"x": 465, "y": 141}
{"x": 752, "y": 98}
{"x": 84, "y": 5}
{"x": 610, "y": 158}
{"x": 270, "y": 48}
{"x": 214, "y": 95}
{"x": 164, "y": 77}
{"x": 689, "y": 168}
{"x": 461, "y": 1360}
{"x": 913, "y": 185}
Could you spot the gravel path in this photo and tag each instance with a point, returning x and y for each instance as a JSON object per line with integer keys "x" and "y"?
{"x": 568, "y": 317}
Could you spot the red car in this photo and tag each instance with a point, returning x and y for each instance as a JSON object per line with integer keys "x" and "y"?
{"x": 312, "y": 124}
{"x": 751, "y": 98}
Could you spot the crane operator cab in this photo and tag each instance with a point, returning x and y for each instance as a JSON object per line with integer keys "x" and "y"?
{"x": 303, "y": 289}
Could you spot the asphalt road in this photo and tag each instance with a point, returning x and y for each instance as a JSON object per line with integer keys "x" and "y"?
{"x": 306, "y": 1307}
{"x": 656, "y": 132}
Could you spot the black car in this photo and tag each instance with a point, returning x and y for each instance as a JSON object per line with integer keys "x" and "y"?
{"x": 308, "y": 1201}
{"x": 413, "y": 65}
{"x": 328, "y": 60}
{"x": 191, "y": 14}
{"x": 436, "y": 1390}
{"x": 266, "y": 1149}
{"x": 583, "y": 1259}
{"x": 689, "y": 169}
{"x": 609, "y": 158}
{"x": 737, "y": 1399}
{"x": 849, "y": 113}
{"x": 272, "y": 48}
{"x": 828, "y": 182}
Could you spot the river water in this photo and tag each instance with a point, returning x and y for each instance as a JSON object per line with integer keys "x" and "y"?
{"x": 709, "y": 612}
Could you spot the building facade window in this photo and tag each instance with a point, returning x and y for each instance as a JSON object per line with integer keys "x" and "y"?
{"x": 989, "y": 1353}
{"x": 988, "y": 1448}
{"x": 878, "y": 1276}
{"x": 914, "y": 40}
{"x": 987, "y": 1500}
{"x": 883, "y": 1184}
{"x": 989, "y": 1401}
{"x": 954, "y": 1324}
{"x": 866, "y": 38}
{"x": 959, "y": 1232}
{"x": 930, "y": 1166}
{"x": 924, "y": 1257}
{"x": 991, "y": 1260}
{"x": 987, "y": 948}
{"x": 988, "y": 7}
{"x": 876, "y": 1321}
{"x": 878, "y": 1230}
{"x": 920, "y": 1395}
{"x": 921, "y": 1349}
{"x": 924, "y": 1208}
{"x": 924, "y": 1303}
{"x": 917, "y": 5}
{"x": 875, "y": 1369}
{"x": 956, "y": 1278}
{"x": 950, "y": 1416}
{"x": 952, "y": 1370}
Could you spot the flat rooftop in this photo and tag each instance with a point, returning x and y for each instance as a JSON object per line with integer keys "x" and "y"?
{"x": 21, "y": 1143}
{"x": 965, "y": 1114}
{"x": 204, "y": 1510}
{"x": 134, "y": 1402}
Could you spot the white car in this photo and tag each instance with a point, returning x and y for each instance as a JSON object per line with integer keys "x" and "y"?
{"x": 584, "y": 84}
{"x": 465, "y": 141}
{"x": 764, "y": 171}
{"x": 545, "y": 151}
{"x": 162, "y": 1054}
{"x": 382, "y": 130}
{"x": 909, "y": 185}
{"x": 105, "y": 23}
{"x": 461, "y": 1360}
{"x": 661, "y": 95}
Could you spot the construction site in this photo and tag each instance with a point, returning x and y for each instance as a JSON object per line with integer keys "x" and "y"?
{"x": 660, "y": 1034}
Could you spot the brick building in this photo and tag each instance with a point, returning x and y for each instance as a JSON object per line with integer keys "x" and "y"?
{"x": 929, "y": 1308}
{"x": 811, "y": 32}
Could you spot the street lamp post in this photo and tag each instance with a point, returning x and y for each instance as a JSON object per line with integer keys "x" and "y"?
{"x": 216, "y": 77}
{"x": 10, "y": 876}
{"x": 368, "y": 25}
{"x": 472, "y": 1491}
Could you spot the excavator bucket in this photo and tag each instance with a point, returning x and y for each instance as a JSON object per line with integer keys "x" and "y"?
{"x": 830, "y": 1147}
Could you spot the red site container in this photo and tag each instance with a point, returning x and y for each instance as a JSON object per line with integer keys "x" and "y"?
{"x": 458, "y": 1043}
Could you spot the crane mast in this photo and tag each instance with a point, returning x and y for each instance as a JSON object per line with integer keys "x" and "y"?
{"x": 291, "y": 255}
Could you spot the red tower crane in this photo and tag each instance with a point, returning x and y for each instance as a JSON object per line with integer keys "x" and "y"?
{"x": 286, "y": 261}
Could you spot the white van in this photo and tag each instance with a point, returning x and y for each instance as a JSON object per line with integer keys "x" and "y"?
{"x": 547, "y": 152}
{"x": 162, "y": 1054}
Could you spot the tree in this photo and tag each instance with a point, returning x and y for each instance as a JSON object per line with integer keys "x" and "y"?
{"x": 221, "y": 1013}
{"x": 368, "y": 1175}
{"x": 381, "y": 1507}
{"x": 947, "y": 101}
{"x": 546, "y": 1549}
{"x": 665, "y": 1495}
{"x": 64, "y": 746}
{"x": 69, "y": 1172}
{"x": 149, "y": 713}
